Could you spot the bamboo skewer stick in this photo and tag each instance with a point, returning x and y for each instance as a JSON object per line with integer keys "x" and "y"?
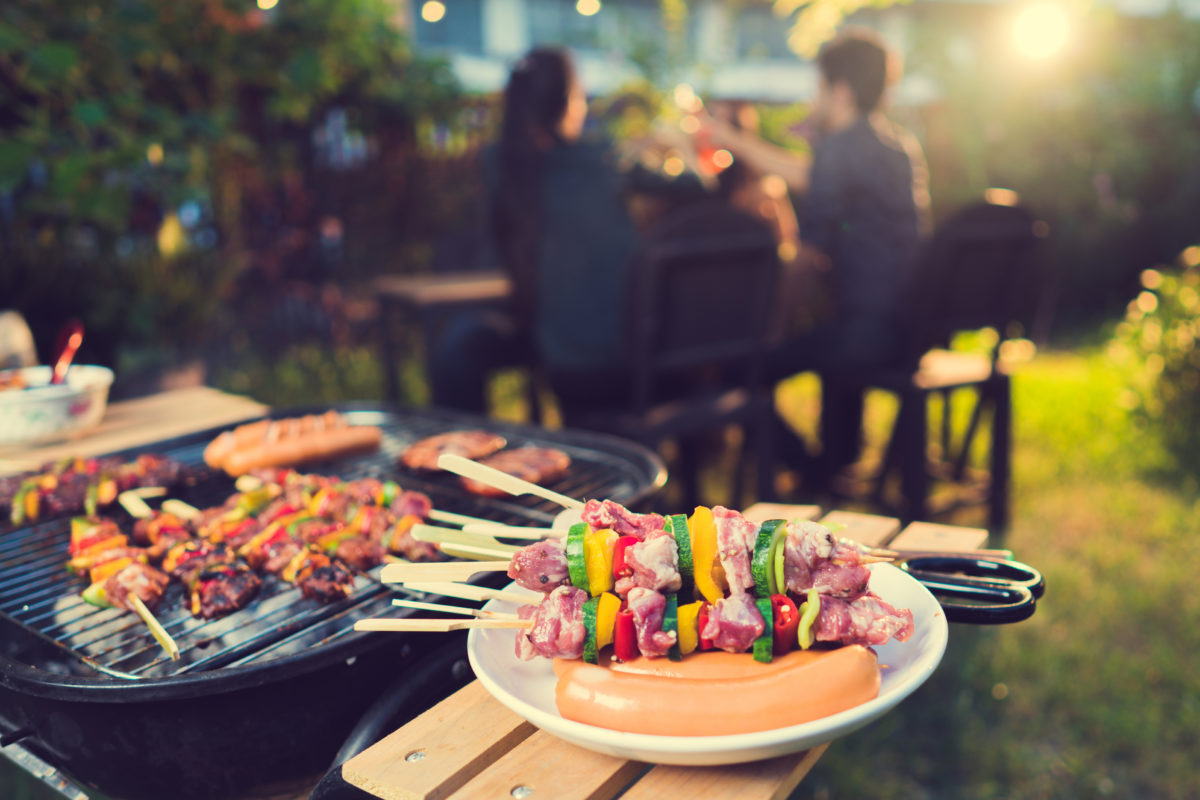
{"x": 247, "y": 483}
{"x": 439, "y": 571}
{"x": 156, "y": 629}
{"x": 437, "y": 625}
{"x": 511, "y": 531}
{"x": 474, "y": 552}
{"x": 451, "y": 518}
{"x": 447, "y": 609}
{"x": 458, "y": 536}
{"x": 180, "y": 509}
{"x": 468, "y": 591}
{"x": 134, "y": 504}
{"x": 502, "y": 480}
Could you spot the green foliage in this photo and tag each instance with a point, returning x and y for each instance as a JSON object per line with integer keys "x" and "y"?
{"x": 308, "y": 375}
{"x": 1157, "y": 341}
{"x": 1101, "y": 141}
{"x": 116, "y": 111}
{"x": 816, "y": 21}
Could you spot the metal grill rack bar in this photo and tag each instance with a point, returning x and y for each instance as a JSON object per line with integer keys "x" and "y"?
{"x": 42, "y": 598}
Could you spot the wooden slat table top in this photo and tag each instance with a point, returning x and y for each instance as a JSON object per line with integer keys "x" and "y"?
{"x": 423, "y": 291}
{"x": 139, "y": 421}
{"x": 866, "y": 528}
{"x": 470, "y": 746}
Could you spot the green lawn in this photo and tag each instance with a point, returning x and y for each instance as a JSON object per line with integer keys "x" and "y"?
{"x": 1095, "y": 696}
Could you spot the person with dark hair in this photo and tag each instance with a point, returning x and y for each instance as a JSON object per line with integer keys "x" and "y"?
{"x": 559, "y": 217}
{"x": 865, "y": 211}
{"x": 559, "y": 221}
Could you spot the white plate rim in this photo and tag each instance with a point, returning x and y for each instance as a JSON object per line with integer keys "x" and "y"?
{"x": 922, "y": 653}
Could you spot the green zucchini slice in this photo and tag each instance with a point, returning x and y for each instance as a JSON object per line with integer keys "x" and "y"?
{"x": 764, "y": 645}
{"x": 576, "y": 562}
{"x": 678, "y": 527}
{"x": 762, "y": 566}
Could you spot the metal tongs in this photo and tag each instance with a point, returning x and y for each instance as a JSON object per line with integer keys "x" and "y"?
{"x": 980, "y": 591}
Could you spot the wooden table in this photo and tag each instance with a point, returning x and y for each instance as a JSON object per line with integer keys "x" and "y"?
{"x": 430, "y": 298}
{"x": 471, "y": 746}
{"x": 130, "y": 423}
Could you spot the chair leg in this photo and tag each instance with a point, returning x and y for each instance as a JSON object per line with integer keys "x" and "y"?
{"x": 739, "y": 469}
{"x": 964, "y": 453}
{"x": 891, "y": 456}
{"x": 533, "y": 386}
{"x": 946, "y": 444}
{"x": 761, "y": 431}
{"x": 912, "y": 422}
{"x": 1001, "y": 454}
{"x": 689, "y": 470}
{"x": 387, "y": 344}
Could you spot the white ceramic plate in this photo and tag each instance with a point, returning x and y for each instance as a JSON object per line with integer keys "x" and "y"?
{"x": 527, "y": 687}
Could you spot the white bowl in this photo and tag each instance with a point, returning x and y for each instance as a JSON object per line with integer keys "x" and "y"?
{"x": 43, "y": 413}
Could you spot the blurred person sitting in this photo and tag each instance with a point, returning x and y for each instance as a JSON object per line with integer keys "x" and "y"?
{"x": 560, "y": 224}
{"x": 865, "y": 211}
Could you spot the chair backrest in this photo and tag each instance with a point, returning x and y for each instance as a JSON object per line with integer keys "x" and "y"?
{"x": 980, "y": 269}
{"x": 701, "y": 293}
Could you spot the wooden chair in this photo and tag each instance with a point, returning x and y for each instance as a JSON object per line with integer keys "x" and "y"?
{"x": 980, "y": 270}
{"x": 700, "y": 298}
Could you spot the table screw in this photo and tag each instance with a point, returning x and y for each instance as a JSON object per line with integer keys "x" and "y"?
{"x": 521, "y": 792}
{"x": 415, "y": 755}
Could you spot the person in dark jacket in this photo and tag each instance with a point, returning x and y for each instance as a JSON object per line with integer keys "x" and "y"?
{"x": 865, "y": 212}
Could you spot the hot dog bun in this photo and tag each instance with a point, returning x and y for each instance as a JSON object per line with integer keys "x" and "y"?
{"x": 715, "y": 693}
{"x": 289, "y": 442}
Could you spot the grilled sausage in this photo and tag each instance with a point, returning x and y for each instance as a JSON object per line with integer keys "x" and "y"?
{"x": 716, "y": 693}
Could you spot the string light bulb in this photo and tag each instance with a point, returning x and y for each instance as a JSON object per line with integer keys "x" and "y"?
{"x": 433, "y": 11}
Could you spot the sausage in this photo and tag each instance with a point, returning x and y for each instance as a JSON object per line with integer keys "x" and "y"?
{"x": 289, "y": 442}
{"x": 221, "y": 447}
{"x": 314, "y": 446}
{"x": 716, "y": 693}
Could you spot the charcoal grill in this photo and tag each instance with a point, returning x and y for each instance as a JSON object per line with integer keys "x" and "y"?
{"x": 268, "y": 693}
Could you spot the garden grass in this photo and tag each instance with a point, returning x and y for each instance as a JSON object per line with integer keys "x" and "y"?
{"x": 1096, "y": 695}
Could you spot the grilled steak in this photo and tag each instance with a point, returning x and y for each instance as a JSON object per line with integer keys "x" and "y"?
{"x": 468, "y": 444}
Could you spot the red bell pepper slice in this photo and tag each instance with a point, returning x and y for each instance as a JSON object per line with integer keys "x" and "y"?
{"x": 625, "y": 646}
{"x": 786, "y": 623}
{"x": 701, "y": 624}
{"x": 88, "y": 541}
{"x": 619, "y": 567}
{"x": 284, "y": 510}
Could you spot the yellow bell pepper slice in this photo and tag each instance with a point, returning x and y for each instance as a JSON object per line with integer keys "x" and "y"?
{"x": 606, "y": 619}
{"x": 688, "y": 621}
{"x": 106, "y": 492}
{"x": 292, "y": 570}
{"x": 709, "y": 575}
{"x": 598, "y": 558}
{"x": 106, "y": 570}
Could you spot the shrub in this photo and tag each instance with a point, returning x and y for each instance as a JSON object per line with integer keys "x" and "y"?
{"x": 1158, "y": 340}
